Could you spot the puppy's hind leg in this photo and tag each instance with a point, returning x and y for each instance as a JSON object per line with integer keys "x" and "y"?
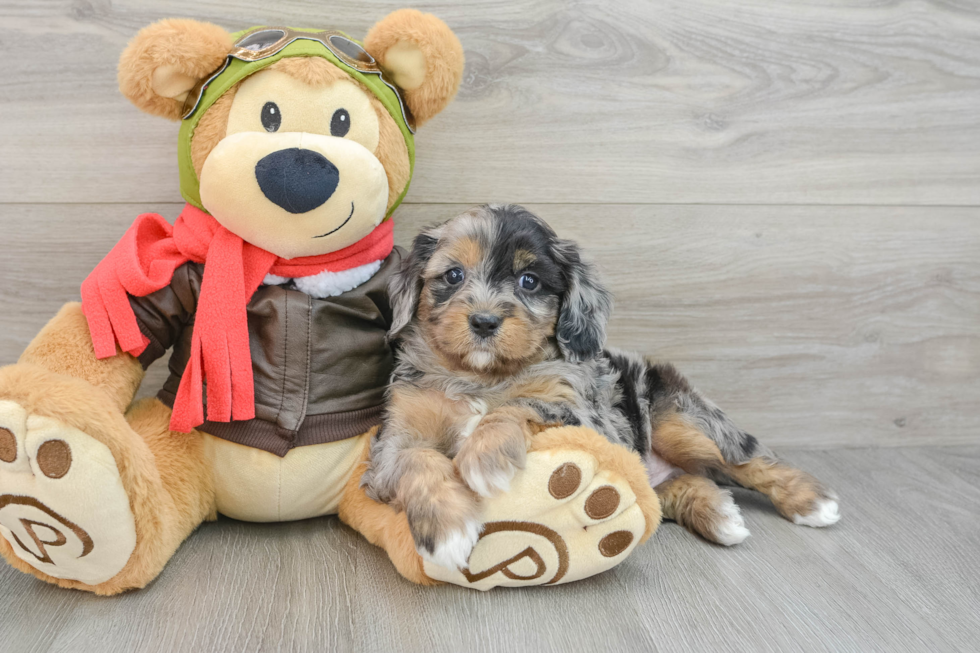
{"x": 694, "y": 434}
{"x": 798, "y": 496}
{"x": 703, "y": 508}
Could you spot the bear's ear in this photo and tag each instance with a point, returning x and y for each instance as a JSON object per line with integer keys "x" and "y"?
{"x": 166, "y": 59}
{"x": 422, "y": 55}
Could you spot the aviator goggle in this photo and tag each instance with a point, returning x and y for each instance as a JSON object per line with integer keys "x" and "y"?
{"x": 264, "y": 42}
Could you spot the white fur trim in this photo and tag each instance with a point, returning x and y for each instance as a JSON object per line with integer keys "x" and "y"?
{"x": 825, "y": 513}
{"x": 274, "y": 280}
{"x": 328, "y": 284}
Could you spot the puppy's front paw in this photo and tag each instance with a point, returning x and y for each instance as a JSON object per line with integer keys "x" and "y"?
{"x": 488, "y": 460}
{"x": 487, "y": 475}
{"x": 445, "y": 528}
{"x": 452, "y": 549}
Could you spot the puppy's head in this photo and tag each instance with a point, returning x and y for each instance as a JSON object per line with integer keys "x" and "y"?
{"x": 495, "y": 288}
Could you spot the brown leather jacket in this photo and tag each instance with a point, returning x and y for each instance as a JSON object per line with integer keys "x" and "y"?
{"x": 320, "y": 365}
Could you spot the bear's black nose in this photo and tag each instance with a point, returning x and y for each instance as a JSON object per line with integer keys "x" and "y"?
{"x": 297, "y": 180}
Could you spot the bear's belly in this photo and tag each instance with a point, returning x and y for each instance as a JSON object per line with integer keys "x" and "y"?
{"x": 258, "y": 486}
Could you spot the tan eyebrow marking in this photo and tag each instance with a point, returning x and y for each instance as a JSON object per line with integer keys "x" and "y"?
{"x": 522, "y": 259}
{"x": 466, "y": 251}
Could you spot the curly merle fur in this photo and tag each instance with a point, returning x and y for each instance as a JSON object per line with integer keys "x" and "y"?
{"x": 545, "y": 365}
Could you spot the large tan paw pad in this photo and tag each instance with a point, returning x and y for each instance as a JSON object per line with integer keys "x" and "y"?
{"x": 63, "y": 508}
{"x": 563, "y": 519}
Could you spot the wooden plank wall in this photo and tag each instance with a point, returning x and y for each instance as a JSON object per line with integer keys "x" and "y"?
{"x": 783, "y": 195}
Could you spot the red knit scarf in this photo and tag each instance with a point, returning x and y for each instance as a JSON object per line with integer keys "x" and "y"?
{"x": 144, "y": 261}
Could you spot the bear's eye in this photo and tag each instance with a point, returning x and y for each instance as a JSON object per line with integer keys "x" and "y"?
{"x": 454, "y": 276}
{"x": 340, "y": 123}
{"x": 271, "y": 117}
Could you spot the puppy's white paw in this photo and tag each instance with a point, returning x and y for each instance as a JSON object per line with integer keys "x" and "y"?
{"x": 453, "y": 550}
{"x": 487, "y": 480}
{"x": 730, "y": 529}
{"x": 825, "y": 513}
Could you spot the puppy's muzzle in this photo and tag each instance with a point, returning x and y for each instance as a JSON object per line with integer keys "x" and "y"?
{"x": 296, "y": 179}
{"x": 484, "y": 324}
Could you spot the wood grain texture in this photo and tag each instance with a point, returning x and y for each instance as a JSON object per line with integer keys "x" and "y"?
{"x": 707, "y": 101}
{"x": 897, "y": 574}
{"x": 811, "y": 326}
{"x": 703, "y": 152}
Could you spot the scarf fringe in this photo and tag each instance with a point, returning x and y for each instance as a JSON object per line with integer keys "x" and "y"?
{"x": 145, "y": 260}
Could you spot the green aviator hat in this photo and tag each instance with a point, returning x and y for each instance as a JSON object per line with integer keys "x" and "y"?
{"x": 259, "y": 47}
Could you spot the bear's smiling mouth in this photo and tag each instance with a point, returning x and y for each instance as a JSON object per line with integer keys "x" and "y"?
{"x": 341, "y": 224}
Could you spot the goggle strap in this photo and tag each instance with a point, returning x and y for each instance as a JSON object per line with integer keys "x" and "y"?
{"x": 289, "y": 36}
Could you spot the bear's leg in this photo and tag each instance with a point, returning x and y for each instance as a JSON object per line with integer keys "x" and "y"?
{"x": 579, "y": 507}
{"x": 185, "y": 472}
{"x": 91, "y": 499}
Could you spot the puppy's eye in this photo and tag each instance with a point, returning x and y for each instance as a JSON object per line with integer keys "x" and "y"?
{"x": 529, "y": 282}
{"x": 271, "y": 117}
{"x": 340, "y": 123}
{"x": 454, "y": 276}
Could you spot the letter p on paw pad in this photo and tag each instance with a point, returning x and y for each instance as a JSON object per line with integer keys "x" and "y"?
{"x": 63, "y": 508}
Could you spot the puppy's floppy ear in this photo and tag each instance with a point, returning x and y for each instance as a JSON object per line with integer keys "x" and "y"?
{"x": 422, "y": 55}
{"x": 405, "y": 285}
{"x": 166, "y": 59}
{"x": 585, "y": 306}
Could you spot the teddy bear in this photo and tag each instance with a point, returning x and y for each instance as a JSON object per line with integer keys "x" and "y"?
{"x": 295, "y": 147}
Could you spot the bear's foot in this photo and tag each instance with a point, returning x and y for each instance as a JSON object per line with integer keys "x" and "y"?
{"x": 578, "y": 508}
{"x": 63, "y": 508}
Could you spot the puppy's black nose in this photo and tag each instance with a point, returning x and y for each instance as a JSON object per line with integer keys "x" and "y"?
{"x": 484, "y": 324}
{"x": 297, "y": 180}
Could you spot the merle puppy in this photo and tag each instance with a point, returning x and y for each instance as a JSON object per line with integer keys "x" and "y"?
{"x": 500, "y": 327}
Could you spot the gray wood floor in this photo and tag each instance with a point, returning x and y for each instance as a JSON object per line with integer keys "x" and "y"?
{"x": 899, "y": 572}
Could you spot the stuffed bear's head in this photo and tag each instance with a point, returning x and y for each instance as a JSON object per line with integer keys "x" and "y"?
{"x": 300, "y": 155}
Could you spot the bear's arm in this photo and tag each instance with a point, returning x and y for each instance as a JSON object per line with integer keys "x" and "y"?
{"x": 163, "y": 315}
